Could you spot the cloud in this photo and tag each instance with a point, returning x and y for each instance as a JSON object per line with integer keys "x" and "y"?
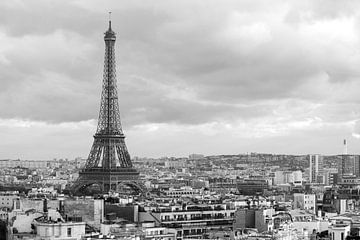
{"x": 28, "y": 139}
{"x": 265, "y": 71}
{"x": 42, "y": 78}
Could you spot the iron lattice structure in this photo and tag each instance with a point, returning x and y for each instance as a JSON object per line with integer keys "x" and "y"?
{"x": 109, "y": 165}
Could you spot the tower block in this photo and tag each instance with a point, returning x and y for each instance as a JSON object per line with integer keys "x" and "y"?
{"x": 108, "y": 167}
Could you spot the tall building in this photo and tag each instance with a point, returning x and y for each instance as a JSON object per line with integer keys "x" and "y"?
{"x": 357, "y": 165}
{"x": 108, "y": 166}
{"x": 316, "y": 168}
{"x": 348, "y": 165}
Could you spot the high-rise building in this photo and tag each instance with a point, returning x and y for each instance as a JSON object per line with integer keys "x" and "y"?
{"x": 316, "y": 168}
{"x": 349, "y": 165}
{"x": 357, "y": 165}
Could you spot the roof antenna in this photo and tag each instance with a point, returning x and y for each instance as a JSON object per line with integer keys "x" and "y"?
{"x": 110, "y": 20}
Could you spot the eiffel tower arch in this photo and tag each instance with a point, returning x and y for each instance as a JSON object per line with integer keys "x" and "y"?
{"x": 108, "y": 166}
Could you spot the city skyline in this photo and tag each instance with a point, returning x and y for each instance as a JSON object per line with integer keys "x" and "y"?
{"x": 193, "y": 77}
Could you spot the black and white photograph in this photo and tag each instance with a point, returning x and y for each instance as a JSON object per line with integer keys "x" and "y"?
{"x": 180, "y": 119}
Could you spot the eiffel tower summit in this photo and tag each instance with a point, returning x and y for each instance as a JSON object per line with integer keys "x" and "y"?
{"x": 108, "y": 167}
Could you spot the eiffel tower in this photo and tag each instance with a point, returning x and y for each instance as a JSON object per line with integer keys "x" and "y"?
{"x": 108, "y": 166}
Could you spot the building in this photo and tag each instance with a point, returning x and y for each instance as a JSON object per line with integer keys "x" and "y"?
{"x": 330, "y": 176}
{"x": 48, "y": 229}
{"x": 7, "y": 200}
{"x": 154, "y": 233}
{"x": 146, "y": 231}
{"x": 90, "y": 210}
{"x": 348, "y": 165}
{"x": 193, "y": 220}
{"x": 175, "y": 163}
{"x": 181, "y": 192}
{"x": 339, "y": 228}
{"x": 304, "y": 221}
{"x": 31, "y": 164}
{"x": 305, "y": 201}
{"x": 316, "y": 169}
{"x": 290, "y": 177}
{"x": 259, "y": 218}
{"x": 357, "y": 165}
{"x": 252, "y": 186}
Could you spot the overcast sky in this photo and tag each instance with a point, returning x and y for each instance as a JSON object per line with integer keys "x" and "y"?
{"x": 210, "y": 77}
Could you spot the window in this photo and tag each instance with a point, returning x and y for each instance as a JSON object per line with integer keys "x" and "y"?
{"x": 69, "y": 232}
{"x": 342, "y": 236}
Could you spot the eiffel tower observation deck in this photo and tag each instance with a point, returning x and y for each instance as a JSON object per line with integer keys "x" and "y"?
{"x": 108, "y": 167}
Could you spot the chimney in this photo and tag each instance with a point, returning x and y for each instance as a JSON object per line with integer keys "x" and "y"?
{"x": 61, "y": 207}
{"x": 45, "y": 207}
